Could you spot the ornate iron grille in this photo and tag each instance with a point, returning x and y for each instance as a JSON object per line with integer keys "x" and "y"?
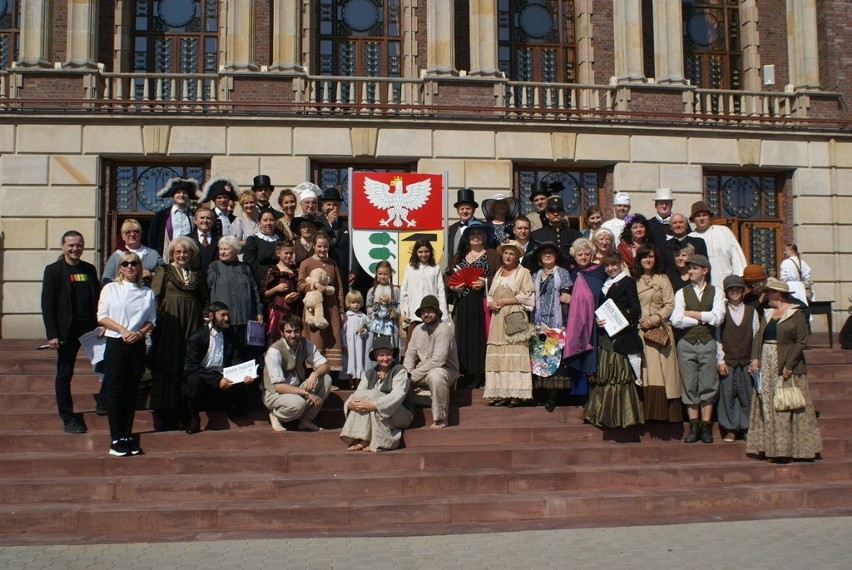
{"x": 136, "y": 186}
{"x": 711, "y": 43}
{"x": 579, "y": 189}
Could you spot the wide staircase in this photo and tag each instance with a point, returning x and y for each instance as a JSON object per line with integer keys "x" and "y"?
{"x": 494, "y": 469}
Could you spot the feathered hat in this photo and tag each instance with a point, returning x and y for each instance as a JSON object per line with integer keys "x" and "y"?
{"x": 190, "y": 185}
{"x": 218, "y": 186}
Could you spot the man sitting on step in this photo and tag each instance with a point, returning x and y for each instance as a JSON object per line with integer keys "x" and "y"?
{"x": 288, "y": 392}
{"x": 432, "y": 360}
{"x": 208, "y": 351}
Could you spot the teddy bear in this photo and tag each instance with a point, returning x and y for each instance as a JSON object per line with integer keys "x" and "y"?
{"x": 314, "y": 313}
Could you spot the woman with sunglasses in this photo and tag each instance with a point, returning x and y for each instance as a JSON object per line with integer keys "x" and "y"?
{"x": 127, "y": 310}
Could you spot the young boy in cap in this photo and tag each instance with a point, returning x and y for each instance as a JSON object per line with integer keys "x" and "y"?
{"x": 736, "y": 359}
{"x": 698, "y": 309}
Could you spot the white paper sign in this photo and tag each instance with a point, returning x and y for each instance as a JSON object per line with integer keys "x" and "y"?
{"x": 255, "y": 334}
{"x": 238, "y": 372}
{"x": 94, "y": 346}
{"x": 615, "y": 321}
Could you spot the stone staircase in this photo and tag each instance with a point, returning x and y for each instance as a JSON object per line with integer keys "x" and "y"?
{"x": 495, "y": 468}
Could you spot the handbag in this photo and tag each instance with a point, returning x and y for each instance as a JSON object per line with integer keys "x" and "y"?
{"x": 658, "y": 335}
{"x": 515, "y": 323}
{"x": 789, "y": 398}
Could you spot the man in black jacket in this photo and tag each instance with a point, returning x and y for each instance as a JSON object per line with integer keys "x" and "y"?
{"x": 558, "y": 229}
{"x": 69, "y": 306}
{"x": 209, "y": 350}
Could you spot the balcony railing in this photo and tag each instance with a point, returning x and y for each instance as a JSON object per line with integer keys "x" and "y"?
{"x": 561, "y": 98}
{"x": 361, "y": 95}
{"x": 725, "y": 106}
{"x": 158, "y": 91}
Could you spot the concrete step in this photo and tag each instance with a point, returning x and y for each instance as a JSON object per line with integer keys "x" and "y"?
{"x": 373, "y": 514}
{"x": 165, "y": 488}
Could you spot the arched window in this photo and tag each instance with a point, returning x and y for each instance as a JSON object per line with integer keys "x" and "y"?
{"x": 579, "y": 189}
{"x": 711, "y": 43}
{"x": 360, "y": 38}
{"x": 176, "y": 36}
{"x": 10, "y": 28}
{"x": 536, "y": 40}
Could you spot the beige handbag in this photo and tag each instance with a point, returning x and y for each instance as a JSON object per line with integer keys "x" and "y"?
{"x": 515, "y": 323}
{"x": 789, "y": 398}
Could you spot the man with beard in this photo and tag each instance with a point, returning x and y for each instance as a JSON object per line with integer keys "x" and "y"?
{"x": 431, "y": 359}
{"x": 209, "y": 350}
{"x": 557, "y": 229}
{"x": 289, "y": 392}
{"x": 263, "y": 189}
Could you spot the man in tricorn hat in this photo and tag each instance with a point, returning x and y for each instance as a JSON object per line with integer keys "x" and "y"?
{"x": 174, "y": 220}
{"x": 465, "y": 206}
{"x": 263, "y": 189}
{"x": 432, "y": 360}
{"x": 222, "y": 191}
{"x": 557, "y": 229}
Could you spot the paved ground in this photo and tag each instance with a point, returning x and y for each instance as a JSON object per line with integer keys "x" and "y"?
{"x": 823, "y": 543}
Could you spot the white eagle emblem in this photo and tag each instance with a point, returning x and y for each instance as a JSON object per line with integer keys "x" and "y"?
{"x": 396, "y": 201}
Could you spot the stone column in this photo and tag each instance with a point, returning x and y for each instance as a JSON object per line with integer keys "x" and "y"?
{"x": 82, "y": 34}
{"x": 627, "y": 40}
{"x": 483, "y": 39}
{"x": 750, "y": 45}
{"x": 583, "y": 28}
{"x": 440, "y": 45}
{"x": 668, "y": 42}
{"x": 287, "y": 36}
{"x": 802, "y": 44}
{"x": 239, "y": 36}
{"x": 36, "y": 19}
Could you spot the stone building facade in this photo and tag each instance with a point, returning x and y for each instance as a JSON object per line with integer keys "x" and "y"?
{"x": 738, "y": 102}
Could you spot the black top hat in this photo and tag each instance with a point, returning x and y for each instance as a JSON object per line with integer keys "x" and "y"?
{"x": 554, "y": 204}
{"x": 189, "y": 185}
{"x": 383, "y": 342}
{"x": 465, "y": 196}
{"x": 430, "y": 302}
{"x": 297, "y": 221}
{"x": 540, "y": 188}
{"x": 262, "y": 181}
{"x": 330, "y": 193}
{"x": 218, "y": 186}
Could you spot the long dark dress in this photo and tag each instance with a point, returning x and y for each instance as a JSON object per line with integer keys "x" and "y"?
{"x": 180, "y": 309}
{"x": 260, "y": 255}
{"x": 469, "y": 315}
{"x": 613, "y": 399}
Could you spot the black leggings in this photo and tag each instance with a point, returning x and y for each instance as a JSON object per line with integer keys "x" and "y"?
{"x": 123, "y": 367}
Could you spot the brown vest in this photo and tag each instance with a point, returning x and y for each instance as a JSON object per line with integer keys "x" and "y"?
{"x": 701, "y": 332}
{"x": 291, "y": 361}
{"x": 737, "y": 339}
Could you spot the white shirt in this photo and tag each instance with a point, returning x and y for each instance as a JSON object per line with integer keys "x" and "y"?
{"x": 226, "y": 223}
{"x": 724, "y": 252}
{"x": 128, "y": 304}
{"x": 616, "y": 226}
{"x": 794, "y": 269}
{"x": 275, "y": 364}
{"x": 181, "y": 226}
{"x": 416, "y": 284}
{"x": 201, "y": 237}
{"x": 713, "y": 317}
{"x": 215, "y": 357}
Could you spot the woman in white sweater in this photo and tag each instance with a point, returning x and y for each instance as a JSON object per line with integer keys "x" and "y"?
{"x": 127, "y": 311}
{"x": 422, "y": 277}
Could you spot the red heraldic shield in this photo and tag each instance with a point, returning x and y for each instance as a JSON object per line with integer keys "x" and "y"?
{"x": 396, "y": 201}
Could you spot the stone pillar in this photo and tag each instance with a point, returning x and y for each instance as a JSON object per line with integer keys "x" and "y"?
{"x": 750, "y": 45}
{"x": 440, "y": 45}
{"x": 627, "y": 40}
{"x": 287, "y": 36}
{"x": 239, "y": 36}
{"x": 82, "y": 34}
{"x": 36, "y": 18}
{"x": 668, "y": 42}
{"x": 583, "y": 10}
{"x": 483, "y": 39}
{"x": 802, "y": 44}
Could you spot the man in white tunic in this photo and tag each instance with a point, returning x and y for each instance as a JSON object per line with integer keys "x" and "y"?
{"x": 724, "y": 251}
{"x": 620, "y": 209}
